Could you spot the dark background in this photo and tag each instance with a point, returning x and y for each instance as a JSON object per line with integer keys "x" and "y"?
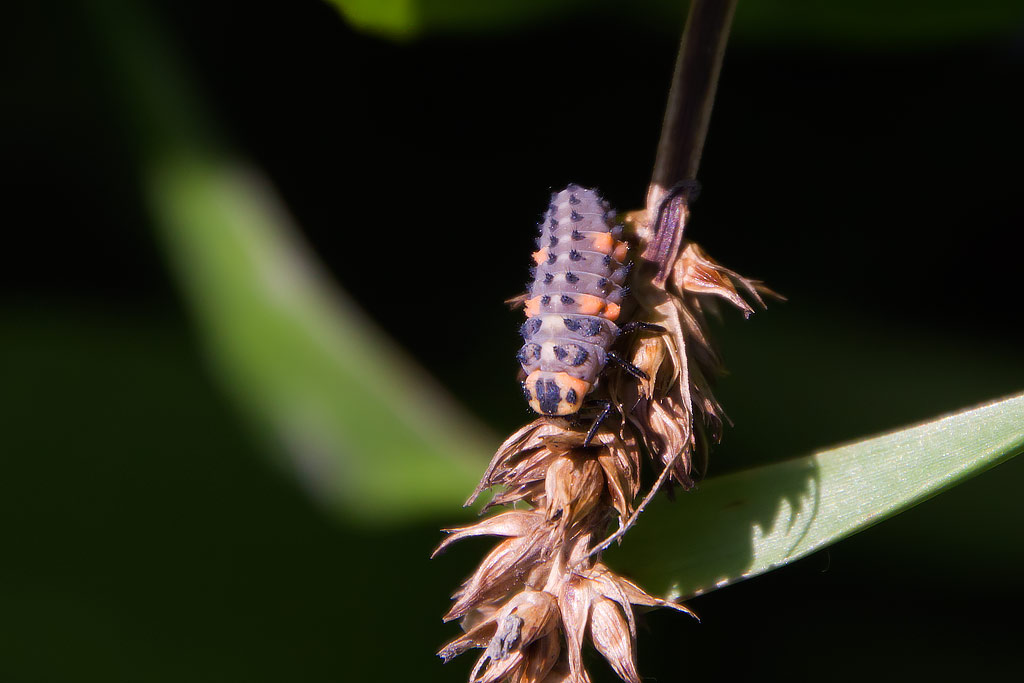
{"x": 877, "y": 186}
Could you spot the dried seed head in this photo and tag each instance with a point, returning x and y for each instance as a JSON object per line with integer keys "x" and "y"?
{"x": 623, "y": 591}
{"x": 508, "y": 566}
{"x": 544, "y": 581}
{"x": 610, "y": 635}
{"x": 665, "y": 423}
{"x": 522, "y": 467}
{"x": 659, "y": 409}
{"x": 574, "y": 602}
{"x": 520, "y": 639}
{"x": 649, "y": 354}
{"x": 620, "y": 482}
{"x": 598, "y": 604}
{"x": 573, "y": 487}
{"x": 695, "y": 272}
{"x": 675, "y": 412}
{"x": 537, "y": 610}
{"x": 513, "y": 523}
{"x": 521, "y": 462}
{"x": 540, "y": 658}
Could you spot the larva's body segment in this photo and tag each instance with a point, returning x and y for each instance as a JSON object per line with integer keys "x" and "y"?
{"x": 572, "y": 302}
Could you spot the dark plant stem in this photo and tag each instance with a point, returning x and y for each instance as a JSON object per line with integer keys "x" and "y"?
{"x": 690, "y": 99}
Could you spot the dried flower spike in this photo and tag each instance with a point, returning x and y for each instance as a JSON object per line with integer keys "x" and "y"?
{"x": 542, "y": 591}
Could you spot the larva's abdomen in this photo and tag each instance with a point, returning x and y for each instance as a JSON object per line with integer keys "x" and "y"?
{"x": 572, "y": 302}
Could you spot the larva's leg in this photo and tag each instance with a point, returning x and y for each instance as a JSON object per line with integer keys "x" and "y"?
{"x": 627, "y": 366}
{"x": 606, "y": 410}
{"x": 641, "y": 325}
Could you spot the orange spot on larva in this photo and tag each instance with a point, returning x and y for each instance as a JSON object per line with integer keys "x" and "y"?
{"x": 603, "y": 242}
{"x": 532, "y": 307}
{"x": 540, "y": 256}
{"x": 565, "y": 381}
{"x": 611, "y": 311}
{"x": 620, "y": 251}
{"x": 588, "y": 304}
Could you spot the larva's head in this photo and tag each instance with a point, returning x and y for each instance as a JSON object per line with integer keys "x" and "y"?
{"x": 554, "y": 393}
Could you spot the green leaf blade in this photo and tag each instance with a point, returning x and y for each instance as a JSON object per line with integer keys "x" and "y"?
{"x": 744, "y": 524}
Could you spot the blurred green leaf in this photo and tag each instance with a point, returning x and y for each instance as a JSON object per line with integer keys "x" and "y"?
{"x": 408, "y": 18}
{"x": 860, "y": 23}
{"x": 367, "y": 430}
{"x": 396, "y": 18}
{"x": 363, "y": 426}
{"x": 743, "y": 524}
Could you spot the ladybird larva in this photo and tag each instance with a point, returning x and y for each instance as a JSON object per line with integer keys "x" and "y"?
{"x": 573, "y": 301}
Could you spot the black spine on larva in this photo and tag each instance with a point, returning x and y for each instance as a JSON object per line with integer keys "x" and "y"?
{"x": 576, "y": 264}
